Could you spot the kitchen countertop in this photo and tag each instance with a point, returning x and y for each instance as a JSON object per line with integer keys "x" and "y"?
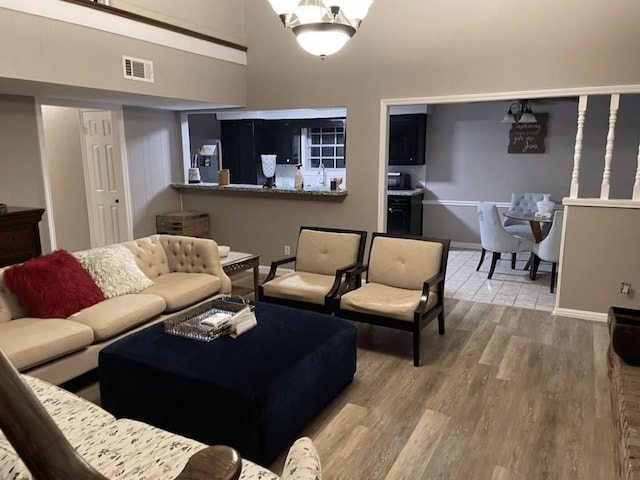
{"x": 406, "y": 193}
{"x": 260, "y": 190}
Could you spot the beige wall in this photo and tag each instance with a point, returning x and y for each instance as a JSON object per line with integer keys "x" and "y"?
{"x": 219, "y": 18}
{"x": 153, "y": 154}
{"x": 601, "y": 251}
{"x": 421, "y": 49}
{"x": 21, "y": 182}
{"x": 63, "y": 153}
{"x": 404, "y": 49}
{"x": 38, "y": 49}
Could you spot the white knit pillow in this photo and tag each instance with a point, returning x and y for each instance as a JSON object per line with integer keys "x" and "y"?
{"x": 114, "y": 269}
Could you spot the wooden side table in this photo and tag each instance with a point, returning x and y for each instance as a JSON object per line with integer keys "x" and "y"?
{"x": 238, "y": 262}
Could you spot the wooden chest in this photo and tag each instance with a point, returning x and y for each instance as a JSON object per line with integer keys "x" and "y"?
{"x": 192, "y": 224}
{"x": 19, "y": 234}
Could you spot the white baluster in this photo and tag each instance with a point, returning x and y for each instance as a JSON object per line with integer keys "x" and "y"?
{"x": 577, "y": 151}
{"x": 636, "y": 185}
{"x": 608, "y": 155}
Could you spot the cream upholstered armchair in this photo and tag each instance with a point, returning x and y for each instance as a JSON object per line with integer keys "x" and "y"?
{"x": 323, "y": 256}
{"x": 404, "y": 287}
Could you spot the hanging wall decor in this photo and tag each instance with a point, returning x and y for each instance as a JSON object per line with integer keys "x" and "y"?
{"x": 528, "y": 137}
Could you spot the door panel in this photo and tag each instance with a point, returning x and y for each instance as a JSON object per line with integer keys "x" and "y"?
{"x": 105, "y": 188}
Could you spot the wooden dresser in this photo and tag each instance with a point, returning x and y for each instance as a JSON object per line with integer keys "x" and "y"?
{"x": 19, "y": 234}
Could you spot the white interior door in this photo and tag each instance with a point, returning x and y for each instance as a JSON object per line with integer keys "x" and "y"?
{"x": 105, "y": 180}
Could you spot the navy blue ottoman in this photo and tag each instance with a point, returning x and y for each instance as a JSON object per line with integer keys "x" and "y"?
{"x": 254, "y": 393}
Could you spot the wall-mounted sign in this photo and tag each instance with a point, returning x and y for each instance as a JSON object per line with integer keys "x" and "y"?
{"x": 528, "y": 137}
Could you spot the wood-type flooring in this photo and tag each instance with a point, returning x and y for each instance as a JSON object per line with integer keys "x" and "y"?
{"x": 506, "y": 394}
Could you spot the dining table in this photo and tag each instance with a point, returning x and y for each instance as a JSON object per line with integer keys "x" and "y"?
{"x": 535, "y": 221}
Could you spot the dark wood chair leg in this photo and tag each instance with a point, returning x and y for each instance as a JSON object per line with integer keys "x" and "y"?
{"x": 554, "y": 265}
{"x": 513, "y": 261}
{"x": 494, "y": 261}
{"x": 481, "y": 259}
{"x": 441, "y": 322}
{"x": 416, "y": 347}
{"x": 535, "y": 263}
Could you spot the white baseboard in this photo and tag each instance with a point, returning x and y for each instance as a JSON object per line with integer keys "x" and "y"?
{"x": 581, "y": 314}
{"x": 281, "y": 271}
{"x": 467, "y": 246}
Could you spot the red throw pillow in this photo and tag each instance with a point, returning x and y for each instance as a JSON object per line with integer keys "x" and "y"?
{"x": 53, "y": 285}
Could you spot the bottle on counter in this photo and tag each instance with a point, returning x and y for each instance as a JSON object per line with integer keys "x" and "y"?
{"x": 299, "y": 181}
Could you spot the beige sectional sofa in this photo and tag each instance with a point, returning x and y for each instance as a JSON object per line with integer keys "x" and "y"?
{"x": 181, "y": 271}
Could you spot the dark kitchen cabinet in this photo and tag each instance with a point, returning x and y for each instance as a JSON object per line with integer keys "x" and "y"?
{"x": 242, "y": 143}
{"x": 283, "y": 138}
{"x": 404, "y": 214}
{"x": 407, "y": 135}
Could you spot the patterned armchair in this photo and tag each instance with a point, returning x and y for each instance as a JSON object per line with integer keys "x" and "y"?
{"x": 49, "y": 434}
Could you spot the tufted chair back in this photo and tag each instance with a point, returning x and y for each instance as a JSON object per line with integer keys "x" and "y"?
{"x": 522, "y": 203}
{"x": 402, "y": 262}
{"x": 324, "y": 252}
{"x": 493, "y": 236}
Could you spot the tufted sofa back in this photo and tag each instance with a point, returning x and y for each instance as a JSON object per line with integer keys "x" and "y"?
{"x": 10, "y": 307}
{"x": 161, "y": 254}
{"x": 150, "y": 256}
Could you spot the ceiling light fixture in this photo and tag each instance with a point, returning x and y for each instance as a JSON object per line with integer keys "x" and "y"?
{"x": 519, "y": 112}
{"x": 322, "y": 27}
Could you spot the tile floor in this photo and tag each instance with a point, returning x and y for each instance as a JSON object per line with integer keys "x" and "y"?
{"x": 507, "y": 287}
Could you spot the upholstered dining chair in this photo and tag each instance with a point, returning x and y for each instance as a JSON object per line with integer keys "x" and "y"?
{"x": 404, "y": 286}
{"x": 549, "y": 249}
{"x": 494, "y": 238}
{"x": 323, "y": 256}
{"x": 522, "y": 203}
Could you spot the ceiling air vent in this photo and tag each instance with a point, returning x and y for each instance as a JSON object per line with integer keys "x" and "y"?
{"x": 137, "y": 69}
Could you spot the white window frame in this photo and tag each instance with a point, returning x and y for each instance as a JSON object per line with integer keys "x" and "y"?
{"x": 305, "y": 151}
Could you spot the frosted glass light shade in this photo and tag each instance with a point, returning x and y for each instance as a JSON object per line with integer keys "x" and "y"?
{"x": 508, "y": 118}
{"x": 310, "y": 13}
{"x": 284, "y": 7}
{"x": 356, "y": 9}
{"x": 323, "y": 39}
{"x": 335, "y": 3}
{"x": 528, "y": 118}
